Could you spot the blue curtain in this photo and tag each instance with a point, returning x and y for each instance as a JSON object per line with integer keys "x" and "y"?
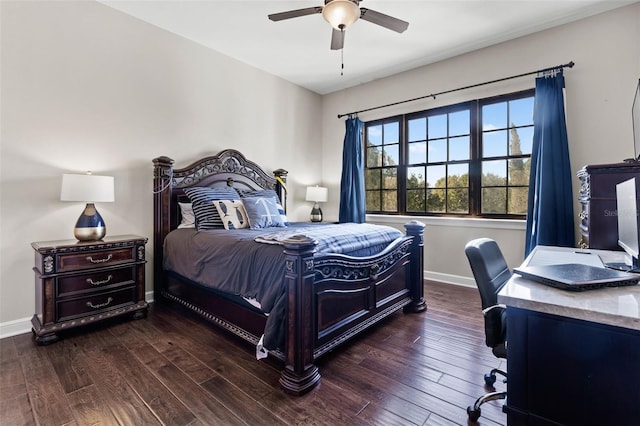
{"x": 550, "y": 218}
{"x": 352, "y": 197}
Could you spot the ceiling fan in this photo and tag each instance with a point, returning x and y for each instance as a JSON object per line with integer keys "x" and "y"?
{"x": 341, "y": 14}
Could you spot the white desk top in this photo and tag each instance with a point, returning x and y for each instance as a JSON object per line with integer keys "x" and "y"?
{"x": 618, "y": 306}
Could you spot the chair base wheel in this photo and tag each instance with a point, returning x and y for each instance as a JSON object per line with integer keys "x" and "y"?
{"x": 474, "y": 414}
{"x": 490, "y": 379}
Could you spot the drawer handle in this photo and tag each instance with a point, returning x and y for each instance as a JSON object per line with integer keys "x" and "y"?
{"x": 92, "y": 282}
{"x": 100, "y": 305}
{"x": 106, "y": 259}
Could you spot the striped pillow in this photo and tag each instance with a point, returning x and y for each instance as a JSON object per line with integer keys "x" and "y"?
{"x": 207, "y": 216}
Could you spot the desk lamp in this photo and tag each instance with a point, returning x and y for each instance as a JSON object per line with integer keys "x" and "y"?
{"x": 317, "y": 194}
{"x": 90, "y": 189}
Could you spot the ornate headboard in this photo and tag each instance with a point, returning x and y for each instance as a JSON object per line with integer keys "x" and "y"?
{"x": 227, "y": 168}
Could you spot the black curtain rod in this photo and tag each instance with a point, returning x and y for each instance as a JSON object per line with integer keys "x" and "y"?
{"x": 433, "y": 95}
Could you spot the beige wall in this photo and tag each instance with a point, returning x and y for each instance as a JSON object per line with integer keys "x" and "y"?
{"x": 85, "y": 87}
{"x": 599, "y": 95}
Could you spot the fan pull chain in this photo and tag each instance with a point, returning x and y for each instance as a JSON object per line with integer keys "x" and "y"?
{"x": 342, "y": 61}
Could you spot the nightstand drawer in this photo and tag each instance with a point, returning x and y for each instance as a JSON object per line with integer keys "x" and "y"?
{"x": 95, "y": 303}
{"x": 93, "y": 281}
{"x": 95, "y": 259}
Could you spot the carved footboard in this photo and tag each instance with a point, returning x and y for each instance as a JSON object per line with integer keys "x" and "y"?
{"x": 334, "y": 297}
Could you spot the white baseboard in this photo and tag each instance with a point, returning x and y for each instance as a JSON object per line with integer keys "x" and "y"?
{"x": 22, "y": 326}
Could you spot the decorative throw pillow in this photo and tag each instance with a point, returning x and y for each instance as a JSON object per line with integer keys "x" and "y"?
{"x": 207, "y": 216}
{"x": 267, "y": 193}
{"x": 262, "y": 212}
{"x": 232, "y": 213}
{"x": 188, "y": 220}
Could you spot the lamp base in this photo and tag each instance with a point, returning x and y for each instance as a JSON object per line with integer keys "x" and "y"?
{"x": 316, "y": 213}
{"x": 90, "y": 226}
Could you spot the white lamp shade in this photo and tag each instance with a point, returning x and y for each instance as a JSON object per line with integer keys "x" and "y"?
{"x": 341, "y": 13}
{"x": 317, "y": 194}
{"x": 87, "y": 188}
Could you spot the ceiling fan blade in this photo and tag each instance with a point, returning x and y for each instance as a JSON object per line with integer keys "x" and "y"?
{"x": 295, "y": 13}
{"x": 337, "y": 39}
{"x": 394, "y": 24}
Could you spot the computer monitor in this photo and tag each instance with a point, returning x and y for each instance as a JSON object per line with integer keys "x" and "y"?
{"x": 628, "y": 220}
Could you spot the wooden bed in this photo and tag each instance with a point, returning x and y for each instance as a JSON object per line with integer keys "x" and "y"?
{"x": 331, "y": 298}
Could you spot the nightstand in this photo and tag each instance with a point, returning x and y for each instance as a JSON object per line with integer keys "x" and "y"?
{"x": 79, "y": 283}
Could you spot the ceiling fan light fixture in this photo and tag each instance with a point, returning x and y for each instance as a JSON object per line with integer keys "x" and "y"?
{"x": 341, "y": 13}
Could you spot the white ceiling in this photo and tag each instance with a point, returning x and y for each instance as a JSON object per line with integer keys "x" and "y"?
{"x": 298, "y": 49}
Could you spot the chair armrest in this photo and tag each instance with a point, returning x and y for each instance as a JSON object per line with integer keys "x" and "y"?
{"x": 485, "y": 311}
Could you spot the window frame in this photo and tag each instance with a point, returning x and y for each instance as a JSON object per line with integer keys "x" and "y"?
{"x": 475, "y": 188}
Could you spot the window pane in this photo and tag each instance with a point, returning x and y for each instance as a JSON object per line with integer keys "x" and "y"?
{"x": 415, "y": 177}
{"x": 458, "y": 200}
{"x": 519, "y": 171}
{"x": 494, "y": 200}
{"x": 372, "y": 179}
{"x": 389, "y": 201}
{"x": 374, "y": 135}
{"x": 494, "y": 116}
{"x": 518, "y": 200}
{"x": 390, "y": 178}
{"x": 458, "y": 176}
{"x": 525, "y": 136}
{"x": 494, "y": 144}
{"x": 521, "y": 112}
{"x": 373, "y": 200}
{"x": 437, "y": 126}
{"x": 459, "y": 148}
{"x": 415, "y": 200}
{"x": 437, "y": 151}
{"x": 435, "y": 176}
{"x": 494, "y": 173}
{"x": 435, "y": 200}
{"x": 417, "y": 152}
{"x": 459, "y": 123}
{"x": 391, "y": 133}
{"x": 417, "y": 129}
{"x": 391, "y": 156}
{"x": 374, "y": 157}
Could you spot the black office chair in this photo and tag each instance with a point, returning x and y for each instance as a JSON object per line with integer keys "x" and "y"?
{"x": 491, "y": 273}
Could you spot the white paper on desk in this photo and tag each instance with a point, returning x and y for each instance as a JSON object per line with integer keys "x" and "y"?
{"x": 553, "y": 257}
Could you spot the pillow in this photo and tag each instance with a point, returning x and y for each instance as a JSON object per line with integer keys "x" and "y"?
{"x": 232, "y": 213}
{"x": 207, "y": 216}
{"x": 267, "y": 193}
{"x": 283, "y": 215}
{"x": 188, "y": 220}
{"x": 262, "y": 212}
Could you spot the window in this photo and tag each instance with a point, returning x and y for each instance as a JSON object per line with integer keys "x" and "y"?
{"x": 469, "y": 159}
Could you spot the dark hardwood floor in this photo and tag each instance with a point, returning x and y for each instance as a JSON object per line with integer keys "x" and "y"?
{"x": 175, "y": 369}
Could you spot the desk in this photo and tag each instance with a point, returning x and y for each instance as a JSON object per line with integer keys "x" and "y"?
{"x": 573, "y": 357}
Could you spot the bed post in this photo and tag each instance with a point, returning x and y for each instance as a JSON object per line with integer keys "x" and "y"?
{"x": 281, "y": 186}
{"x": 162, "y": 175}
{"x": 300, "y": 375}
{"x": 416, "y": 274}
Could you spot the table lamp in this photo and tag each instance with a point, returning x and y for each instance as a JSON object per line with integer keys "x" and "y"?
{"x": 317, "y": 194}
{"x": 90, "y": 189}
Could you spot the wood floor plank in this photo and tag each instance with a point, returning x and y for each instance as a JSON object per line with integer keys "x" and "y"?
{"x": 209, "y": 410}
{"x": 156, "y": 396}
{"x": 122, "y": 400}
{"x": 89, "y": 408}
{"x": 46, "y": 396}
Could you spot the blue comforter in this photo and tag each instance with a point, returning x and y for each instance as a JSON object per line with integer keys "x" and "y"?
{"x": 234, "y": 262}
